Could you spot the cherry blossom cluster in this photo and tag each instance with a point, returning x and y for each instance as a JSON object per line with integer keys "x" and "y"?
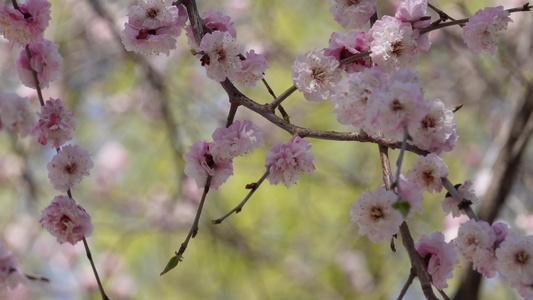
{"x": 153, "y": 26}
{"x": 220, "y": 53}
{"x": 215, "y": 158}
{"x": 498, "y": 248}
{"x": 483, "y": 28}
{"x": 285, "y": 162}
{"x": 25, "y": 25}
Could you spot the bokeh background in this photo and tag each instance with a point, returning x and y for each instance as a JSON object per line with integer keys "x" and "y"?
{"x": 138, "y": 115}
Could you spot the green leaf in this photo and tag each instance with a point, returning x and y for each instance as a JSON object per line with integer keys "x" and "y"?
{"x": 403, "y": 206}
{"x": 172, "y": 263}
{"x": 287, "y": 119}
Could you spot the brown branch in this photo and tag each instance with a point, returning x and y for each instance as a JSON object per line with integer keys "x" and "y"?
{"x": 238, "y": 208}
{"x": 90, "y": 257}
{"x": 412, "y": 275}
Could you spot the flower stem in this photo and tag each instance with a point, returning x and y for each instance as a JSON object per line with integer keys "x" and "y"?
{"x": 90, "y": 257}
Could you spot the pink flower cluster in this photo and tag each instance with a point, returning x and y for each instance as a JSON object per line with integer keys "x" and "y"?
{"x": 10, "y": 275}
{"x": 15, "y": 114}
{"x": 66, "y": 220}
{"x": 26, "y": 25}
{"x": 56, "y": 125}
{"x": 483, "y": 28}
{"x": 215, "y": 158}
{"x": 315, "y": 75}
{"x": 153, "y": 26}
{"x": 68, "y": 167}
{"x": 377, "y": 102}
{"x": 288, "y": 161}
{"x": 442, "y": 257}
{"x": 45, "y": 60}
{"x": 219, "y": 52}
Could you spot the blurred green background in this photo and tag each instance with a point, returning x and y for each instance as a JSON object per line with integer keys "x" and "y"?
{"x": 295, "y": 243}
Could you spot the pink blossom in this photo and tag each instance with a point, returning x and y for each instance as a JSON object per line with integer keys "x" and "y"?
{"x": 374, "y": 214}
{"x": 412, "y": 193}
{"x": 66, "y": 220}
{"x": 436, "y": 132}
{"x": 515, "y": 259}
{"x": 252, "y": 69}
{"x": 475, "y": 242}
{"x": 352, "y": 96}
{"x": 68, "y": 167}
{"x": 443, "y": 257}
{"x": 288, "y": 161}
{"x": 427, "y": 172}
{"x": 221, "y": 55}
{"x": 414, "y": 12}
{"x": 343, "y": 45}
{"x": 10, "y": 274}
{"x": 26, "y": 25}
{"x": 45, "y": 60}
{"x": 153, "y": 26}
{"x": 315, "y": 75}
{"x": 449, "y": 204}
{"x": 352, "y": 12}
{"x": 525, "y": 290}
{"x": 56, "y": 125}
{"x": 201, "y": 164}
{"x": 15, "y": 114}
{"x": 215, "y": 20}
{"x": 238, "y": 139}
{"x": 400, "y": 103}
{"x": 483, "y": 28}
{"x": 394, "y": 44}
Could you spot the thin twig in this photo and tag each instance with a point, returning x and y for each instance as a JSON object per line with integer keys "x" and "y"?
{"x": 443, "y": 294}
{"x": 355, "y": 57}
{"x": 269, "y": 89}
{"x": 90, "y": 257}
{"x": 443, "y": 16}
{"x": 194, "y": 228}
{"x": 238, "y": 208}
{"x": 436, "y": 26}
{"x": 34, "y": 75}
{"x": 36, "y": 277}
{"x": 458, "y": 197}
{"x": 400, "y": 160}
{"x": 412, "y": 275}
{"x": 282, "y": 97}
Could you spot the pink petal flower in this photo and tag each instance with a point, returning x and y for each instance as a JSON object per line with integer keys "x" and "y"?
{"x": 252, "y": 69}
{"x": 201, "y": 164}
{"x": 45, "y": 60}
{"x": 221, "y": 57}
{"x": 394, "y": 45}
{"x": 56, "y": 125}
{"x": 27, "y": 25}
{"x": 352, "y": 12}
{"x": 443, "y": 257}
{"x": 238, "y": 139}
{"x": 483, "y": 28}
{"x": 374, "y": 214}
{"x": 515, "y": 259}
{"x": 68, "y": 167}
{"x": 66, "y": 220}
{"x": 449, "y": 204}
{"x": 215, "y": 20}
{"x": 15, "y": 114}
{"x": 315, "y": 75}
{"x": 427, "y": 172}
{"x": 343, "y": 45}
{"x": 288, "y": 161}
{"x": 436, "y": 132}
